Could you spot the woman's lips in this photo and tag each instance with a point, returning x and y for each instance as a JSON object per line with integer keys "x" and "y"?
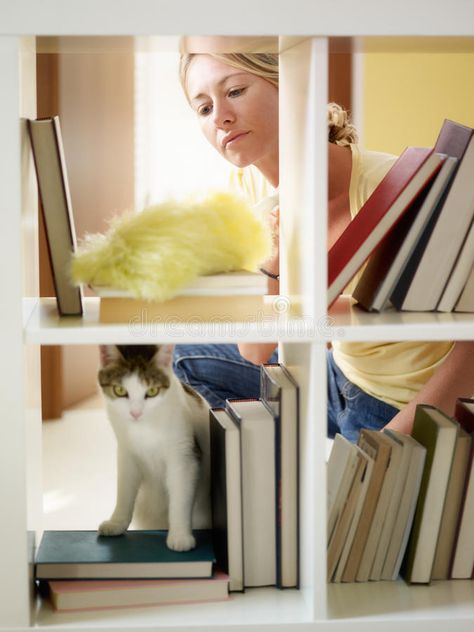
{"x": 234, "y": 139}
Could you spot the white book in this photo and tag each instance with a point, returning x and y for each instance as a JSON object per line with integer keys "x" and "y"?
{"x": 437, "y": 432}
{"x": 445, "y": 241}
{"x": 257, "y": 433}
{"x": 235, "y": 283}
{"x": 459, "y": 275}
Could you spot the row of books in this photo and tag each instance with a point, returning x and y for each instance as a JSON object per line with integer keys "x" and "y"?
{"x": 254, "y": 484}
{"x": 417, "y": 232}
{"x": 404, "y": 504}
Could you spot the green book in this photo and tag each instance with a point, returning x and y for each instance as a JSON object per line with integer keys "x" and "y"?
{"x": 135, "y": 554}
{"x": 437, "y": 432}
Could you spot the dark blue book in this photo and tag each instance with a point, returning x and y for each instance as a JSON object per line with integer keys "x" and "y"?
{"x": 280, "y": 394}
{"x": 135, "y": 554}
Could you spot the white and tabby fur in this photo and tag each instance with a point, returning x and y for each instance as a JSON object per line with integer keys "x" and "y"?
{"x": 162, "y": 456}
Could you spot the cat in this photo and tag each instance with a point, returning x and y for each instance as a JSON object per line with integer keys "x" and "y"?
{"x": 162, "y": 429}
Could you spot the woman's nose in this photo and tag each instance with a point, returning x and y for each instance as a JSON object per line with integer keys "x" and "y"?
{"x": 223, "y": 114}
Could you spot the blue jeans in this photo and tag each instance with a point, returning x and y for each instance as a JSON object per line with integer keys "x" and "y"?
{"x": 219, "y": 372}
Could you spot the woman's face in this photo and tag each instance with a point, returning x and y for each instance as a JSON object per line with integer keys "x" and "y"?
{"x": 237, "y": 111}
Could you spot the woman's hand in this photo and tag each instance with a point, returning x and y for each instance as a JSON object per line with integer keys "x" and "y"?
{"x": 272, "y": 264}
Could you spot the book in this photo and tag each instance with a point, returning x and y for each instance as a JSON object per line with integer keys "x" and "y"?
{"x": 394, "y": 506}
{"x": 463, "y": 554}
{"x": 279, "y": 391}
{"x": 387, "y": 263}
{"x": 83, "y": 594}
{"x": 182, "y": 309}
{"x": 412, "y": 171}
{"x": 459, "y": 275}
{"x": 50, "y": 165}
{"x": 465, "y": 302}
{"x": 424, "y": 278}
{"x": 351, "y": 516}
{"x": 378, "y": 447}
{"x": 257, "y": 436}
{"x": 340, "y": 538}
{"x": 390, "y": 479}
{"x": 341, "y": 470}
{"x": 135, "y": 554}
{"x": 405, "y": 508}
{"x": 226, "y": 495}
{"x": 452, "y": 506}
{"x": 234, "y": 283}
{"x": 437, "y": 432}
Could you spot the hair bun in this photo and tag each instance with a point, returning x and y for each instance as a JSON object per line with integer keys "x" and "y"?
{"x": 340, "y": 130}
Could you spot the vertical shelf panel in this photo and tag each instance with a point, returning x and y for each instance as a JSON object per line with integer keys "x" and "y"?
{"x": 303, "y": 173}
{"x": 303, "y": 201}
{"x": 13, "y": 541}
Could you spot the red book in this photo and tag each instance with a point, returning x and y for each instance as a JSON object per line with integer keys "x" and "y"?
{"x": 410, "y": 174}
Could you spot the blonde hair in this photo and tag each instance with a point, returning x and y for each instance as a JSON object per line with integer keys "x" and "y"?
{"x": 265, "y": 65}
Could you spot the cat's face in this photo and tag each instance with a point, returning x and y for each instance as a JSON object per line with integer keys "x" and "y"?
{"x": 135, "y": 379}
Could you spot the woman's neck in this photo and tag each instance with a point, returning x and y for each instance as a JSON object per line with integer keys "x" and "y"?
{"x": 339, "y": 180}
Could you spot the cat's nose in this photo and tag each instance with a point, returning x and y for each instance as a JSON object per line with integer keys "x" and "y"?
{"x": 136, "y": 413}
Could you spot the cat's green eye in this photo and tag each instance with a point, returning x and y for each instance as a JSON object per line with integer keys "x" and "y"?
{"x": 120, "y": 391}
{"x": 152, "y": 391}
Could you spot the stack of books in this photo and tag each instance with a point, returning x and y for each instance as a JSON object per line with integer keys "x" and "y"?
{"x": 416, "y": 232}
{"x": 254, "y": 481}
{"x": 404, "y": 504}
{"x": 81, "y": 570}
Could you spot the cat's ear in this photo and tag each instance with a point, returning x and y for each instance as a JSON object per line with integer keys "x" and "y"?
{"x": 164, "y": 356}
{"x": 109, "y": 353}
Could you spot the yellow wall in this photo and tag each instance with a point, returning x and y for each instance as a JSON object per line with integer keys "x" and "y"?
{"x": 408, "y": 95}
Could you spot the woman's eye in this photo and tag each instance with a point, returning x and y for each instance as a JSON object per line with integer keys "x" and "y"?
{"x": 204, "y": 110}
{"x": 120, "y": 391}
{"x": 236, "y": 92}
{"x": 152, "y": 391}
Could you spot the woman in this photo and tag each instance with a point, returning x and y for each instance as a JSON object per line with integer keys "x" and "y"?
{"x": 235, "y": 97}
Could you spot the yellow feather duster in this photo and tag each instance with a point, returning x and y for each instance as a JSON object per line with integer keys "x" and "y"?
{"x": 154, "y": 253}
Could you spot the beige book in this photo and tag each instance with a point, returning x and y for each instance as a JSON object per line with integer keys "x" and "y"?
{"x": 452, "y": 507}
{"x": 386, "y": 494}
{"x": 182, "y": 309}
{"x": 349, "y": 512}
{"x": 378, "y": 447}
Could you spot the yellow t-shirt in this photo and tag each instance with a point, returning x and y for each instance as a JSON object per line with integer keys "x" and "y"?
{"x": 393, "y": 372}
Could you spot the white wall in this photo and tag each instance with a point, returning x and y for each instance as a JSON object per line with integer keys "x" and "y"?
{"x": 173, "y": 159}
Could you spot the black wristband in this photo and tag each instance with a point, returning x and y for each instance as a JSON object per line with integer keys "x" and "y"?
{"x": 276, "y": 277}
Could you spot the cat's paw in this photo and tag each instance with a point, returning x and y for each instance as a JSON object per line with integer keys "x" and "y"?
{"x": 112, "y": 527}
{"x": 180, "y": 541}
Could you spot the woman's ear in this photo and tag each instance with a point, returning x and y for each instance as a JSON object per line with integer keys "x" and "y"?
{"x": 164, "y": 356}
{"x": 109, "y": 353}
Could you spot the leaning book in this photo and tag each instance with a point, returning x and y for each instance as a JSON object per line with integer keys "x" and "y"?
{"x": 50, "y": 165}
{"x": 437, "y": 433}
{"x": 279, "y": 391}
{"x": 135, "y": 554}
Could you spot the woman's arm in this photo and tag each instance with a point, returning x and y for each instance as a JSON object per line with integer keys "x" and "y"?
{"x": 454, "y": 378}
{"x": 260, "y": 352}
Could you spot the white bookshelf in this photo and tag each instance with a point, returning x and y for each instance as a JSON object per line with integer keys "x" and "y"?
{"x": 27, "y": 322}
